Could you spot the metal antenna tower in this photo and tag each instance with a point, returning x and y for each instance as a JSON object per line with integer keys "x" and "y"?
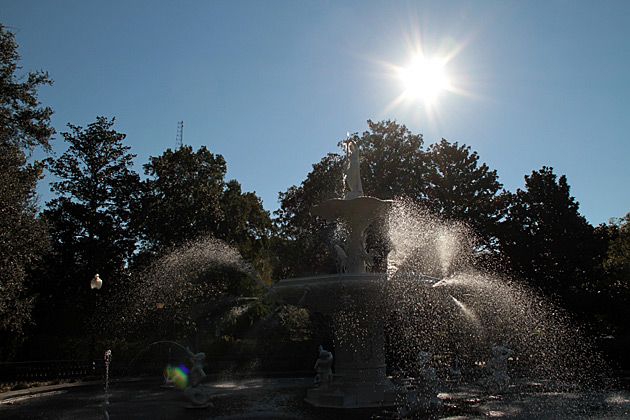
{"x": 180, "y": 134}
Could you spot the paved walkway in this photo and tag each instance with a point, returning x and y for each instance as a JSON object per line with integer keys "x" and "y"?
{"x": 282, "y": 398}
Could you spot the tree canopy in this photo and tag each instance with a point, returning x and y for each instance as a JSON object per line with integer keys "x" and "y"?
{"x": 447, "y": 179}
{"x": 617, "y": 261}
{"x": 185, "y": 183}
{"x": 24, "y": 125}
{"x": 548, "y": 242}
{"x": 96, "y": 186}
{"x": 186, "y": 197}
{"x": 460, "y": 188}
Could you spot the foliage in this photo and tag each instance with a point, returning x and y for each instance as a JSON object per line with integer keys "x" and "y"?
{"x": 89, "y": 223}
{"x": 546, "y": 239}
{"x": 240, "y": 319}
{"x": 303, "y": 240}
{"x": 246, "y": 225}
{"x": 448, "y": 179}
{"x": 183, "y": 183}
{"x": 617, "y": 262}
{"x": 460, "y": 188}
{"x": 90, "y": 217}
{"x": 191, "y": 185}
{"x": 392, "y": 161}
{"x": 23, "y": 240}
{"x": 24, "y": 125}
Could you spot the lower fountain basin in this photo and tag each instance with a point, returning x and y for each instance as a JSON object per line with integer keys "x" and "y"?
{"x": 353, "y": 301}
{"x": 357, "y": 305}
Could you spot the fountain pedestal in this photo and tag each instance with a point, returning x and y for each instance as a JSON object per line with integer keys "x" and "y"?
{"x": 354, "y": 301}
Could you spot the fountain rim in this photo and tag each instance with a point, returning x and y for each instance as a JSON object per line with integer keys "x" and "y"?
{"x": 342, "y": 208}
{"x": 343, "y": 278}
{"x": 327, "y": 279}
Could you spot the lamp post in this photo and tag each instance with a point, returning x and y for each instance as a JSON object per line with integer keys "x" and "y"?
{"x": 95, "y": 283}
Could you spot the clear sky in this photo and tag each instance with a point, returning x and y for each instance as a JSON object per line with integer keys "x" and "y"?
{"x": 274, "y": 85}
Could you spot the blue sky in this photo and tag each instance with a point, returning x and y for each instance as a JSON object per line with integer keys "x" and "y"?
{"x": 274, "y": 85}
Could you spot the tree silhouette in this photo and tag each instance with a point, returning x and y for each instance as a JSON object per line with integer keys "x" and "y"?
{"x": 460, "y": 188}
{"x": 89, "y": 223}
{"x": 24, "y": 125}
{"x": 186, "y": 197}
{"x": 547, "y": 240}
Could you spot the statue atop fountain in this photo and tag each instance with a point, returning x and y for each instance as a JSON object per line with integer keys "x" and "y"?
{"x": 356, "y": 210}
{"x": 352, "y": 171}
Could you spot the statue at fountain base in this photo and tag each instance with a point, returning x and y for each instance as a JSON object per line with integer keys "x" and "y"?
{"x": 498, "y": 379}
{"x": 422, "y": 390}
{"x": 198, "y": 394}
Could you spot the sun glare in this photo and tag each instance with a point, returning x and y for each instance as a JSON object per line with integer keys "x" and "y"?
{"x": 424, "y": 79}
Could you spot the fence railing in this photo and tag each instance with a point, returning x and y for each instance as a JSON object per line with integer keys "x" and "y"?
{"x": 13, "y": 373}
{"x": 58, "y": 370}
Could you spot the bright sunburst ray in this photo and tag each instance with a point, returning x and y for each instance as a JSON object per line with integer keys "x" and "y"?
{"x": 424, "y": 79}
{"x": 427, "y": 75}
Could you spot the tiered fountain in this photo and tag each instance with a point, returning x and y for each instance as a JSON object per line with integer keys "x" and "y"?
{"x": 354, "y": 299}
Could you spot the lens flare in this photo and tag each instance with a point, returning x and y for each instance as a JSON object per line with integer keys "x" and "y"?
{"x": 178, "y": 375}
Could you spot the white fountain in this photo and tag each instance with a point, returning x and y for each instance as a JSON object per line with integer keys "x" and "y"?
{"x": 354, "y": 299}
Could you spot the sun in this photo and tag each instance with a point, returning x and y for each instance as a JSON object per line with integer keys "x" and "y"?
{"x": 424, "y": 79}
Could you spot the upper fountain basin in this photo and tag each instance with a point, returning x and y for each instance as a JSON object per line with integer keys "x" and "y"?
{"x": 359, "y": 208}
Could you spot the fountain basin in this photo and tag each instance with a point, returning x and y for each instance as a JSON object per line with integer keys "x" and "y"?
{"x": 354, "y": 302}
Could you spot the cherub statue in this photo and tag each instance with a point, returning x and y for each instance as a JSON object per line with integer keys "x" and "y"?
{"x": 199, "y": 395}
{"x": 498, "y": 380}
{"x": 197, "y": 373}
{"x": 323, "y": 367}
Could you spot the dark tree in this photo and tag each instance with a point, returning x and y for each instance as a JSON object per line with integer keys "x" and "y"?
{"x": 548, "y": 242}
{"x": 23, "y": 121}
{"x": 90, "y": 218}
{"x": 247, "y": 225}
{"x": 613, "y": 305}
{"x": 89, "y": 223}
{"x": 181, "y": 198}
{"x": 461, "y": 188}
{"x": 617, "y": 262}
{"x": 303, "y": 240}
{"x": 24, "y": 125}
{"x": 186, "y": 197}
{"x": 393, "y": 163}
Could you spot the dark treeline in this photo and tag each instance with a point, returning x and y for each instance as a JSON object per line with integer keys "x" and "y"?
{"x": 106, "y": 218}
